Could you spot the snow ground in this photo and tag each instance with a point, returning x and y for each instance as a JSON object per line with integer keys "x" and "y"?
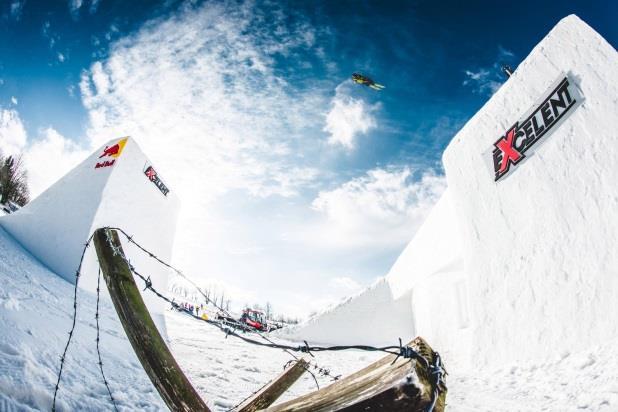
{"x": 227, "y": 370}
{"x": 35, "y": 316}
{"x": 586, "y": 380}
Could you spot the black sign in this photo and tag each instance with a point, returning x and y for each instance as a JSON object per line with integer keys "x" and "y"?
{"x": 154, "y": 178}
{"x": 509, "y": 150}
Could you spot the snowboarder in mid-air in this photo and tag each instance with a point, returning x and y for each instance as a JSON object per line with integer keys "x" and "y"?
{"x": 366, "y": 81}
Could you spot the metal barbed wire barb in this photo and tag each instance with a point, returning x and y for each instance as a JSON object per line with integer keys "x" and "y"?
{"x": 96, "y": 316}
{"x": 66, "y": 347}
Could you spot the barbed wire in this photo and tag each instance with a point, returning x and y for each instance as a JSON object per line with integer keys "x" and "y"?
{"x": 96, "y": 316}
{"x": 66, "y": 348}
{"x": 436, "y": 369}
{"x": 322, "y": 371}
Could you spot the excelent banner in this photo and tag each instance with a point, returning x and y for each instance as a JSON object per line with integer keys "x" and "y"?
{"x": 528, "y": 133}
{"x": 154, "y": 177}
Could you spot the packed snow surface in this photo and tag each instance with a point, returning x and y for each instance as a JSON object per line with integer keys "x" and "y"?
{"x": 36, "y": 308}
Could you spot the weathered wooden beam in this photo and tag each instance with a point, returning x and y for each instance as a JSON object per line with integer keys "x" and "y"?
{"x": 150, "y": 348}
{"x": 271, "y": 392}
{"x": 381, "y": 386}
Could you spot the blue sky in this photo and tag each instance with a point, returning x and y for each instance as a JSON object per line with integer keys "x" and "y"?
{"x": 302, "y": 179}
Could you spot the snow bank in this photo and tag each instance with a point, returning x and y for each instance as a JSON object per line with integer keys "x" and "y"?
{"x": 36, "y": 309}
{"x": 373, "y": 317}
{"x": 109, "y": 188}
{"x": 424, "y": 293}
{"x": 540, "y": 245}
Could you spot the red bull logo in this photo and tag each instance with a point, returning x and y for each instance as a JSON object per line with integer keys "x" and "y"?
{"x": 114, "y": 151}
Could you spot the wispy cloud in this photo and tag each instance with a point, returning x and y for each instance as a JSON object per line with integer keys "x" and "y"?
{"x": 17, "y": 9}
{"x": 381, "y": 208}
{"x": 487, "y": 80}
{"x": 74, "y": 8}
{"x": 12, "y": 132}
{"x": 348, "y": 118}
{"x": 46, "y": 31}
{"x": 204, "y": 84}
{"x": 48, "y": 156}
{"x": 49, "y": 145}
{"x": 94, "y": 5}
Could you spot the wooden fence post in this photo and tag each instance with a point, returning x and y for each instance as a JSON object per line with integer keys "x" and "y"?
{"x": 151, "y": 350}
{"x": 271, "y": 392}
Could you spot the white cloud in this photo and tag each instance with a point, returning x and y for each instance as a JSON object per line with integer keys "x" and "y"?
{"x": 94, "y": 5}
{"x": 14, "y": 100}
{"x": 12, "y": 132}
{"x": 17, "y": 8}
{"x": 74, "y": 6}
{"x": 348, "y": 118}
{"x": 483, "y": 81}
{"x": 487, "y": 80}
{"x": 383, "y": 208}
{"x": 201, "y": 90}
{"x": 49, "y": 158}
{"x": 61, "y": 57}
{"x": 46, "y": 158}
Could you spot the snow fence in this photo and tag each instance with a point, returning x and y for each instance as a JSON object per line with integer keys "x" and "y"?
{"x": 116, "y": 186}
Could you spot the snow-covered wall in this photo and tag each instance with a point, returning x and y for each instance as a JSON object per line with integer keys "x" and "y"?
{"x": 109, "y": 188}
{"x": 373, "y": 317}
{"x": 424, "y": 294}
{"x": 430, "y": 270}
{"x": 539, "y": 245}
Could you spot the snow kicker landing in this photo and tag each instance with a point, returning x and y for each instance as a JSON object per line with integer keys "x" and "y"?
{"x": 116, "y": 186}
{"x": 520, "y": 263}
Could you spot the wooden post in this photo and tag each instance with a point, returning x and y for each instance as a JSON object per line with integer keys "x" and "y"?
{"x": 271, "y": 392}
{"x": 150, "y": 348}
{"x": 381, "y": 386}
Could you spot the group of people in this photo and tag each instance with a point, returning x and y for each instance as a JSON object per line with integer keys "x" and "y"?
{"x": 192, "y": 308}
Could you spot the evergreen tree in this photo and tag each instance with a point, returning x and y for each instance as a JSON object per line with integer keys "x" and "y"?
{"x": 13, "y": 181}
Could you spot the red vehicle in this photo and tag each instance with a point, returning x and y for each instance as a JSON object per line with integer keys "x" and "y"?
{"x": 254, "y": 318}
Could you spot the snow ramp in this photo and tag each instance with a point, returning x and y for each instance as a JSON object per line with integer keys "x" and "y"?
{"x": 115, "y": 186}
{"x": 518, "y": 260}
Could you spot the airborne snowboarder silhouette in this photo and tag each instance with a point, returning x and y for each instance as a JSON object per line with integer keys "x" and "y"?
{"x": 366, "y": 81}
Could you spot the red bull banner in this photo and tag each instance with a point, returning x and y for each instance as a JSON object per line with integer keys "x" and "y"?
{"x": 110, "y": 154}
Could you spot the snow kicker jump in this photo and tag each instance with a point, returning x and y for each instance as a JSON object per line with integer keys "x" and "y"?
{"x": 115, "y": 185}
